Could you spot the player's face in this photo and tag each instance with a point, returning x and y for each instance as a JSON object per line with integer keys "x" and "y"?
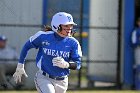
{"x": 2, "y": 44}
{"x": 66, "y": 29}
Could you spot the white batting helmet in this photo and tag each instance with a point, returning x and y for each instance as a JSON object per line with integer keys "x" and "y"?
{"x": 61, "y": 18}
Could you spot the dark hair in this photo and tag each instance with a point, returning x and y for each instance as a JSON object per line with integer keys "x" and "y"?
{"x": 47, "y": 28}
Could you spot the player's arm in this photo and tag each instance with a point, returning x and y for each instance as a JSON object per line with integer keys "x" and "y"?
{"x": 20, "y": 66}
{"x": 32, "y": 43}
{"x": 28, "y": 45}
{"x": 135, "y": 38}
{"x": 76, "y": 57}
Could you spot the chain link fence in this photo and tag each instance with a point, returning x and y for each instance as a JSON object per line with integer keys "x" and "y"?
{"x": 21, "y": 19}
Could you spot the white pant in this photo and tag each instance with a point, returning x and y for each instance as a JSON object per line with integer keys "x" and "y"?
{"x": 44, "y": 84}
{"x": 137, "y": 55}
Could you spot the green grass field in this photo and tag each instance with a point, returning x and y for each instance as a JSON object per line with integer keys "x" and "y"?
{"x": 90, "y": 91}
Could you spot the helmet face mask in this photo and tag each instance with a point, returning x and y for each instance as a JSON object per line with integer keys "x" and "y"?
{"x": 61, "y": 18}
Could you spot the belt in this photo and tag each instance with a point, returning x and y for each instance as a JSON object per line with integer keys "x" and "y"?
{"x": 54, "y": 77}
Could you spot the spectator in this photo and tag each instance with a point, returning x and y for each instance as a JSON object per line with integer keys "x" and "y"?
{"x": 136, "y": 43}
{"x": 6, "y": 67}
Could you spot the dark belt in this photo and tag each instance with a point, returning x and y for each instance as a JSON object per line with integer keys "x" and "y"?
{"x": 54, "y": 77}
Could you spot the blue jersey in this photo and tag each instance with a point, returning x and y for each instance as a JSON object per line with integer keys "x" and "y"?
{"x": 50, "y": 45}
{"x": 136, "y": 37}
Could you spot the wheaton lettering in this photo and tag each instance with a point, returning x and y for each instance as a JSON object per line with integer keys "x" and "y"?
{"x": 56, "y": 53}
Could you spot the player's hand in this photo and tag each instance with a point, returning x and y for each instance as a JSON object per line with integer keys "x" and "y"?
{"x": 60, "y": 62}
{"x": 19, "y": 72}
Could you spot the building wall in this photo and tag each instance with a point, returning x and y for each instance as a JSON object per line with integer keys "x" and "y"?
{"x": 103, "y": 36}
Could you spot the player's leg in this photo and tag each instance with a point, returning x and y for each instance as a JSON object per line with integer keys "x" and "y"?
{"x": 60, "y": 85}
{"x": 137, "y": 68}
{"x": 43, "y": 85}
{"x": 137, "y": 56}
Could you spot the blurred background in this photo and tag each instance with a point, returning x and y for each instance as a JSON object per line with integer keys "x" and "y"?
{"x": 104, "y": 32}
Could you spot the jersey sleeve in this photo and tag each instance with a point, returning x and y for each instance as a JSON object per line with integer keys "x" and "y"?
{"x": 76, "y": 54}
{"x": 27, "y": 46}
{"x": 135, "y": 38}
{"x": 33, "y": 42}
{"x": 36, "y": 39}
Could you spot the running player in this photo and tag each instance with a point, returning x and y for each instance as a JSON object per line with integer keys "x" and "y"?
{"x": 58, "y": 52}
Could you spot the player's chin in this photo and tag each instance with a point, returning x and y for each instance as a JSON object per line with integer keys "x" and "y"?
{"x": 68, "y": 34}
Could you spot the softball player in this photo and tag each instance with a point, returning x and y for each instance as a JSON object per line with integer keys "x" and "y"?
{"x": 58, "y": 52}
{"x": 136, "y": 43}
